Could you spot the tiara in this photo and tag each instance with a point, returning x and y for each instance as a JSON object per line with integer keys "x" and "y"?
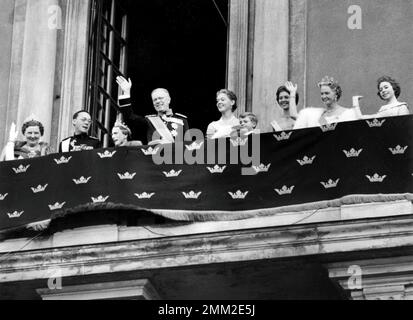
{"x": 30, "y": 118}
{"x": 327, "y": 81}
{"x": 122, "y": 125}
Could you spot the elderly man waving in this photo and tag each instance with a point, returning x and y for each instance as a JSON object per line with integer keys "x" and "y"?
{"x": 162, "y": 127}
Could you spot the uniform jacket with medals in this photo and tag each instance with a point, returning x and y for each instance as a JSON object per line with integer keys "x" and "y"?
{"x": 168, "y": 127}
{"x": 79, "y": 142}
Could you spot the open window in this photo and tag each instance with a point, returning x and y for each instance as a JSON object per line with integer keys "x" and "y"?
{"x": 107, "y": 58}
{"x": 179, "y": 45}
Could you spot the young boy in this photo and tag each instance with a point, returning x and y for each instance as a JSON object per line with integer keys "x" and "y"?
{"x": 248, "y": 123}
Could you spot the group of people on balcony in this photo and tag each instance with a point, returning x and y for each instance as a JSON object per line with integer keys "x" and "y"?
{"x": 166, "y": 126}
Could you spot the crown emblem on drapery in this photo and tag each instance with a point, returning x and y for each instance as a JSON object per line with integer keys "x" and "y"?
{"x": 285, "y": 190}
{"x": 376, "y": 178}
{"x": 306, "y": 160}
{"x": 283, "y": 136}
{"x": 106, "y": 154}
{"x": 398, "y": 150}
{"x": 376, "y": 123}
{"x": 62, "y": 160}
{"x": 81, "y": 180}
{"x": 145, "y": 195}
{"x": 239, "y": 195}
{"x": 150, "y": 151}
{"x": 216, "y": 169}
{"x": 15, "y": 214}
{"x": 99, "y": 199}
{"x": 238, "y": 142}
{"x": 127, "y": 176}
{"x": 39, "y": 188}
{"x": 352, "y": 153}
{"x": 21, "y": 169}
{"x": 261, "y": 168}
{"x": 330, "y": 184}
{"x": 172, "y": 173}
{"x": 329, "y": 127}
{"x": 194, "y": 146}
{"x": 56, "y": 206}
{"x": 192, "y": 195}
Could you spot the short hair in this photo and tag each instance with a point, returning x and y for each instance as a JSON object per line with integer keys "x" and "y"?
{"x": 161, "y": 89}
{"x": 394, "y": 84}
{"x": 231, "y": 95}
{"x": 33, "y": 123}
{"x": 284, "y": 89}
{"x": 79, "y": 112}
{"x": 123, "y": 128}
{"x": 251, "y": 116}
{"x": 332, "y": 84}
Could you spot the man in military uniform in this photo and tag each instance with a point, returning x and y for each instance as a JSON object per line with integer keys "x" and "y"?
{"x": 80, "y": 140}
{"x": 163, "y": 127}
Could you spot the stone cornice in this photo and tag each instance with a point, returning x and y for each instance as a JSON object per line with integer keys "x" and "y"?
{"x": 220, "y": 247}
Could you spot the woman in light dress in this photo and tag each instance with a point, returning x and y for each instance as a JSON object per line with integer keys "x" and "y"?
{"x": 226, "y": 104}
{"x": 287, "y": 98}
{"x": 389, "y": 91}
{"x": 332, "y": 112}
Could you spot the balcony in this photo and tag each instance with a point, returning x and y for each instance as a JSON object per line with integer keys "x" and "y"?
{"x": 309, "y": 203}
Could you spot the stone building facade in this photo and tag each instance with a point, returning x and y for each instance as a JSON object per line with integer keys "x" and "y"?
{"x": 357, "y": 251}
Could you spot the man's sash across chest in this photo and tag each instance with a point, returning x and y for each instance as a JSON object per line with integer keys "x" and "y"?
{"x": 161, "y": 128}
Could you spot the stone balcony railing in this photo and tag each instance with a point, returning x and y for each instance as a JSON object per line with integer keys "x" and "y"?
{"x": 289, "y": 175}
{"x": 366, "y": 208}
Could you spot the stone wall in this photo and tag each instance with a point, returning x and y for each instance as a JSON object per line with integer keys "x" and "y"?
{"x": 358, "y": 57}
{"x": 6, "y": 30}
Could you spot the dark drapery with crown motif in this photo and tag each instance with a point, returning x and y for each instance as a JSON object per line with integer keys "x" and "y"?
{"x": 294, "y": 169}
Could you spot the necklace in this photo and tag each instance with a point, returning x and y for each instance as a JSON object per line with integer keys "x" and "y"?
{"x": 333, "y": 111}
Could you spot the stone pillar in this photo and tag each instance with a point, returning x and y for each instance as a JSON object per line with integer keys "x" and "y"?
{"x": 6, "y": 33}
{"x": 140, "y": 289}
{"x": 48, "y": 64}
{"x": 297, "y": 64}
{"x": 33, "y": 63}
{"x": 238, "y": 50}
{"x": 73, "y": 67}
{"x": 375, "y": 279}
{"x": 19, "y": 22}
{"x": 270, "y": 57}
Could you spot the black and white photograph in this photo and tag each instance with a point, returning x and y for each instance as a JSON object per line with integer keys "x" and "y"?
{"x": 207, "y": 155}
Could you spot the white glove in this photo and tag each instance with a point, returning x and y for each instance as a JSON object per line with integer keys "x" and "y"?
{"x": 125, "y": 85}
{"x": 291, "y": 87}
{"x": 13, "y": 133}
{"x": 356, "y": 101}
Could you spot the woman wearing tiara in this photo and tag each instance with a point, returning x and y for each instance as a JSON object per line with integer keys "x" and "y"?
{"x": 332, "y": 112}
{"x": 121, "y": 135}
{"x": 31, "y": 147}
{"x": 389, "y": 91}
{"x": 287, "y": 99}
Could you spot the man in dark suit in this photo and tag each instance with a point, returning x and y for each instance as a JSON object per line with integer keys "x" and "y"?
{"x": 80, "y": 140}
{"x": 162, "y": 127}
